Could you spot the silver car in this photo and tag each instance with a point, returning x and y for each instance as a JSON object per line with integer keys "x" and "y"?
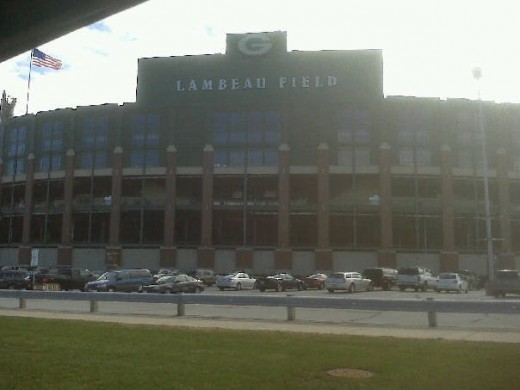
{"x": 350, "y": 281}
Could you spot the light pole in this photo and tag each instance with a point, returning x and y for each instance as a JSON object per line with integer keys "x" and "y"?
{"x": 477, "y": 75}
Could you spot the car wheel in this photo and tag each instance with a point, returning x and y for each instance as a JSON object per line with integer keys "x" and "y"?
{"x": 111, "y": 289}
{"x": 330, "y": 290}
{"x": 402, "y": 288}
{"x": 198, "y": 289}
{"x": 168, "y": 291}
{"x": 238, "y": 287}
{"x": 424, "y": 287}
{"x": 278, "y": 288}
{"x": 221, "y": 288}
{"x": 261, "y": 289}
{"x": 466, "y": 290}
{"x": 352, "y": 288}
{"x": 300, "y": 287}
{"x": 320, "y": 286}
{"x": 370, "y": 287}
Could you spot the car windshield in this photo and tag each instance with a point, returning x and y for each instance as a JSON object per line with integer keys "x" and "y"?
{"x": 337, "y": 276}
{"x": 448, "y": 276}
{"x": 409, "y": 271}
{"x": 166, "y": 279}
{"x": 106, "y": 276}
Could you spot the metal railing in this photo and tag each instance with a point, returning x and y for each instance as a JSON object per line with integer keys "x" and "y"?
{"x": 291, "y": 302}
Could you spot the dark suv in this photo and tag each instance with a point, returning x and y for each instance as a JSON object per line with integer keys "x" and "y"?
{"x": 385, "y": 278}
{"x": 15, "y": 279}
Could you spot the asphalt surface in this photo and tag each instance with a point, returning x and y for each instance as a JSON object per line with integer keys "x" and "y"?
{"x": 410, "y": 332}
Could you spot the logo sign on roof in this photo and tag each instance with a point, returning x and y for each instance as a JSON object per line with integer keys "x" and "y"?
{"x": 255, "y": 44}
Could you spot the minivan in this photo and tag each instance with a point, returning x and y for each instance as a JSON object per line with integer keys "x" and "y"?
{"x": 126, "y": 280}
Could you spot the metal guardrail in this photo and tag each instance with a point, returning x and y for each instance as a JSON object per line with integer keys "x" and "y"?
{"x": 428, "y": 305}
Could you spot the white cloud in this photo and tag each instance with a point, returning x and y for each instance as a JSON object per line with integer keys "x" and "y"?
{"x": 429, "y": 48}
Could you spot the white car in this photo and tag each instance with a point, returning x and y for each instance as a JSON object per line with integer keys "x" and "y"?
{"x": 350, "y": 281}
{"x": 450, "y": 281}
{"x": 237, "y": 281}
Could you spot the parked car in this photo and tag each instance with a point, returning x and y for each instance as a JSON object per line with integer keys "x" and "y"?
{"x": 507, "y": 281}
{"x": 451, "y": 281}
{"x": 279, "y": 282}
{"x": 385, "y": 278}
{"x": 349, "y": 281}
{"x": 206, "y": 275}
{"x": 15, "y": 280}
{"x": 175, "y": 283}
{"x": 417, "y": 278}
{"x": 166, "y": 271}
{"x": 127, "y": 280}
{"x": 61, "y": 278}
{"x": 237, "y": 281}
{"x": 314, "y": 281}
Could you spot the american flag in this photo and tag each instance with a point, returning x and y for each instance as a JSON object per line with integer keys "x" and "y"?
{"x": 39, "y": 58}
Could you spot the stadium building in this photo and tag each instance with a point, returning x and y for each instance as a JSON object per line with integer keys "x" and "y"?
{"x": 265, "y": 160}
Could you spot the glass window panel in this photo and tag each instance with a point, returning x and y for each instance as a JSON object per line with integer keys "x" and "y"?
{"x": 101, "y": 160}
{"x": 345, "y": 156}
{"x": 153, "y": 138}
{"x": 273, "y": 120}
{"x": 405, "y": 137}
{"x": 406, "y": 157}
{"x": 424, "y": 157}
{"x": 362, "y": 136}
{"x": 20, "y": 166}
{"x": 138, "y": 139}
{"x": 272, "y": 137}
{"x": 219, "y": 136}
{"x": 221, "y": 158}
{"x": 44, "y": 164}
{"x": 152, "y": 158}
{"x": 255, "y": 121}
{"x": 255, "y": 158}
{"x": 236, "y": 157}
{"x": 422, "y": 137}
{"x": 345, "y": 136}
{"x": 56, "y": 163}
{"x": 362, "y": 157}
{"x": 271, "y": 158}
{"x": 255, "y": 136}
{"x": 85, "y": 160}
{"x": 137, "y": 159}
{"x": 237, "y": 121}
{"x": 237, "y": 137}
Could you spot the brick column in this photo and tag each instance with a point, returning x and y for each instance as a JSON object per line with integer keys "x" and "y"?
{"x": 113, "y": 251}
{"x": 449, "y": 258}
{"x": 24, "y": 254}
{"x": 323, "y": 254}
{"x": 206, "y": 252}
{"x": 168, "y": 251}
{"x": 386, "y": 256}
{"x": 65, "y": 249}
{"x": 283, "y": 255}
{"x": 506, "y": 258}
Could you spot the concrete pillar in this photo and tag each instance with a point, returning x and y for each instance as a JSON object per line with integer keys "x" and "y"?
{"x": 65, "y": 249}
{"x": 244, "y": 259}
{"x": 386, "y": 256}
{"x": 323, "y": 197}
{"x": 115, "y": 210}
{"x": 29, "y": 185}
{"x": 449, "y": 258}
{"x": 283, "y": 196}
{"x": 506, "y": 258}
{"x": 206, "y": 252}
{"x": 169, "y": 205}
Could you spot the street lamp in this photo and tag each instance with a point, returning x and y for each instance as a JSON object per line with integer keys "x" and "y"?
{"x": 477, "y": 75}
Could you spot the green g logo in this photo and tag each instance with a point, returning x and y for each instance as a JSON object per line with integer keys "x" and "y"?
{"x": 255, "y": 44}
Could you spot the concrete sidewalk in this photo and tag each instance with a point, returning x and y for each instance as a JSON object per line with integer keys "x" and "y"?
{"x": 444, "y": 333}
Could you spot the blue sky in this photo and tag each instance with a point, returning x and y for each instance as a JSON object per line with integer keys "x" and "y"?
{"x": 429, "y": 47}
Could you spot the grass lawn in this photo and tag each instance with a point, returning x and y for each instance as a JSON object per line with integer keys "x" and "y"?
{"x": 55, "y": 354}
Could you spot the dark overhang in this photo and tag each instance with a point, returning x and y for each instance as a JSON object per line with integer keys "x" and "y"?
{"x": 29, "y": 23}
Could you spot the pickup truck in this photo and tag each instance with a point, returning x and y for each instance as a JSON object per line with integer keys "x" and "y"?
{"x": 417, "y": 278}
{"x": 61, "y": 278}
{"x": 506, "y": 282}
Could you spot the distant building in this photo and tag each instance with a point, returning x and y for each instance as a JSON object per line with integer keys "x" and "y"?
{"x": 265, "y": 160}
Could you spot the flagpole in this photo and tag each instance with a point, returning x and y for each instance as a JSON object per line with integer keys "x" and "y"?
{"x": 29, "y": 83}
